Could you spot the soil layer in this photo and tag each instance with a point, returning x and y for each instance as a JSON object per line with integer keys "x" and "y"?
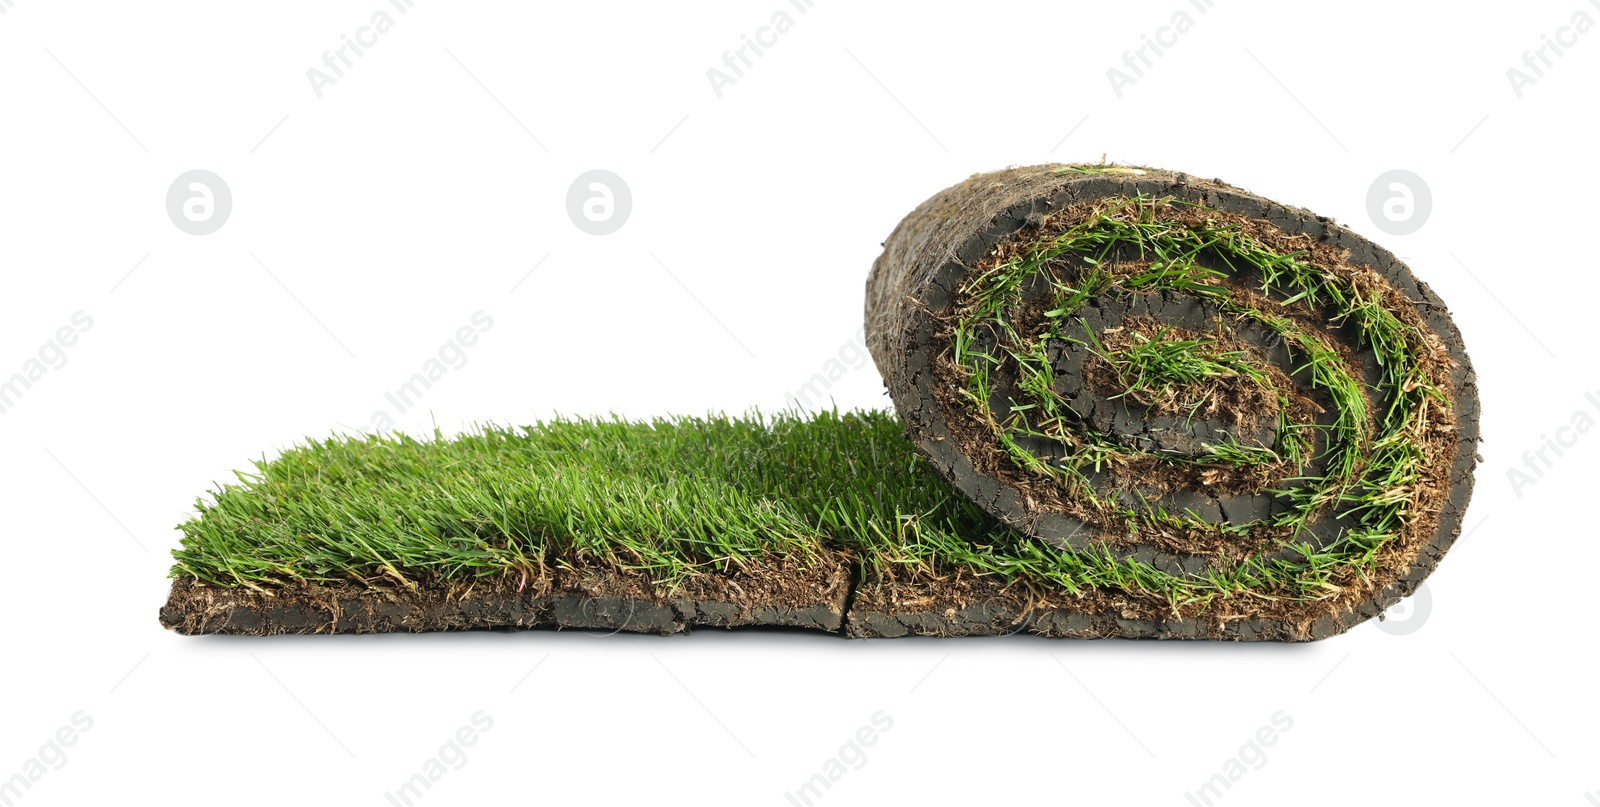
{"x": 788, "y": 595}
{"x": 825, "y": 599}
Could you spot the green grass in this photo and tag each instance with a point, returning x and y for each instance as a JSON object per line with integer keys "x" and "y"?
{"x": 1160, "y": 367}
{"x": 671, "y": 497}
{"x": 1372, "y": 468}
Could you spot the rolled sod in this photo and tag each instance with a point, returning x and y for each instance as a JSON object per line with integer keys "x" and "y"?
{"x": 1251, "y": 417}
{"x": 1130, "y": 403}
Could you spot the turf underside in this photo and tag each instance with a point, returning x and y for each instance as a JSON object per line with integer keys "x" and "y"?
{"x": 671, "y": 497}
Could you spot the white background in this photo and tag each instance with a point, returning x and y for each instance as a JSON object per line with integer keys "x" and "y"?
{"x": 432, "y": 178}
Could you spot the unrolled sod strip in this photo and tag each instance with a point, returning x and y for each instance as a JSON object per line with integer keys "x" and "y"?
{"x": 1242, "y": 419}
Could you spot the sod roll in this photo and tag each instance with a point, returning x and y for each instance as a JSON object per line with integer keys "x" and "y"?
{"x": 1182, "y": 380}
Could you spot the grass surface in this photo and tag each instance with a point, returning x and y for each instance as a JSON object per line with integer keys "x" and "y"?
{"x": 672, "y": 497}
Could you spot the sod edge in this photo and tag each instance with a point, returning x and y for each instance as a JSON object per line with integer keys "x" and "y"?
{"x": 824, "y": 599}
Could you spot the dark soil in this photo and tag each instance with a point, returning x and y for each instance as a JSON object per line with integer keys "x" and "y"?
{"x": 981, "y": 607}
{"x": 593, "y": 599}
{"x": 822, "y": 599}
